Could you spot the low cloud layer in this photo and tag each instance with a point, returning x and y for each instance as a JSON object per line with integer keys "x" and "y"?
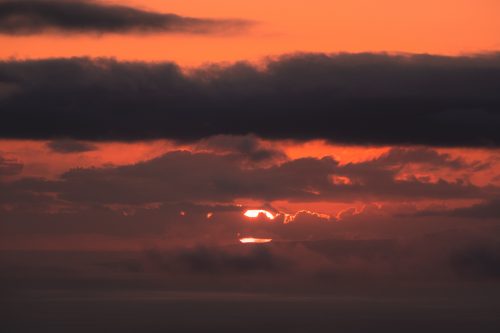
{"x": 9, "y": 167}
{"x": 370, "y": 286}
{"x": 28, "y": 17}
{"x": 199, "y": 196}
{"x": 349, "y": 98}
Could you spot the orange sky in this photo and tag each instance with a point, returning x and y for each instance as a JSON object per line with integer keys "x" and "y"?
{"x": 442, "y": 27}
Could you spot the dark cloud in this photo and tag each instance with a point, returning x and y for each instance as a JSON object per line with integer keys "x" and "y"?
{"x": 249, "y": 146}
{"x": 26, "y": 17}
{"x": 399, "y": 157}
{"x": 199, "y": 177}
{"x": 183, "y": 176}
{"x": 9, "y": 167}
{"x": 205, "y": 260}
{"x": 489, "y": 209}
{"x": 477, "y": 262}
{"x": 70, "y": 146}
{"x": 349, "y": 98}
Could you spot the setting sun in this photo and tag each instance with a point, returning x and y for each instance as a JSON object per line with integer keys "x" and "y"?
{"x": 246, "y": 240}
{"x": 254, "y": 213}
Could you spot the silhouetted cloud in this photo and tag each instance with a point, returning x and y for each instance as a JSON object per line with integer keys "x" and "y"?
{"x": 70, "y": 146}
{"x": 182, "y": 176}
{"x": 26, "y": 17}
{"x": 185, "y": 176}
{"x": 350, "y": 98}
{"x": 249, "y": 146}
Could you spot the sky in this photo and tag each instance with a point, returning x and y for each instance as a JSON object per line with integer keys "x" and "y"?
{"x": 439, "y": 27}
{"x": 322, "y": 160}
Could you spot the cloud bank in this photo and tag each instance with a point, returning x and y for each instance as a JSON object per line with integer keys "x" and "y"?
{"x": 348, "y": 98}
{"x": 204, "y": 176}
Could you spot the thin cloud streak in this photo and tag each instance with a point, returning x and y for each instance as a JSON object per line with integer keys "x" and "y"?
{"x": 30, "y": 17}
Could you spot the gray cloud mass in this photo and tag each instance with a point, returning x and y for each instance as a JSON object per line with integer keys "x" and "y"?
{"x": 345, "y": 98}
{"x": 28, "y": 17}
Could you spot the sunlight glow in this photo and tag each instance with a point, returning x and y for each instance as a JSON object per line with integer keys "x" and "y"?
{"x": 291, "y": 217}
{"x": 341, "y": 180}
{"x": 254, "y": 213}
{"x": 255, "y": 240}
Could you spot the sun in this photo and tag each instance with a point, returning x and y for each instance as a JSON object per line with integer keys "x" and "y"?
{"x": 247, "y": 240}
{"x": 254, "y": 213}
